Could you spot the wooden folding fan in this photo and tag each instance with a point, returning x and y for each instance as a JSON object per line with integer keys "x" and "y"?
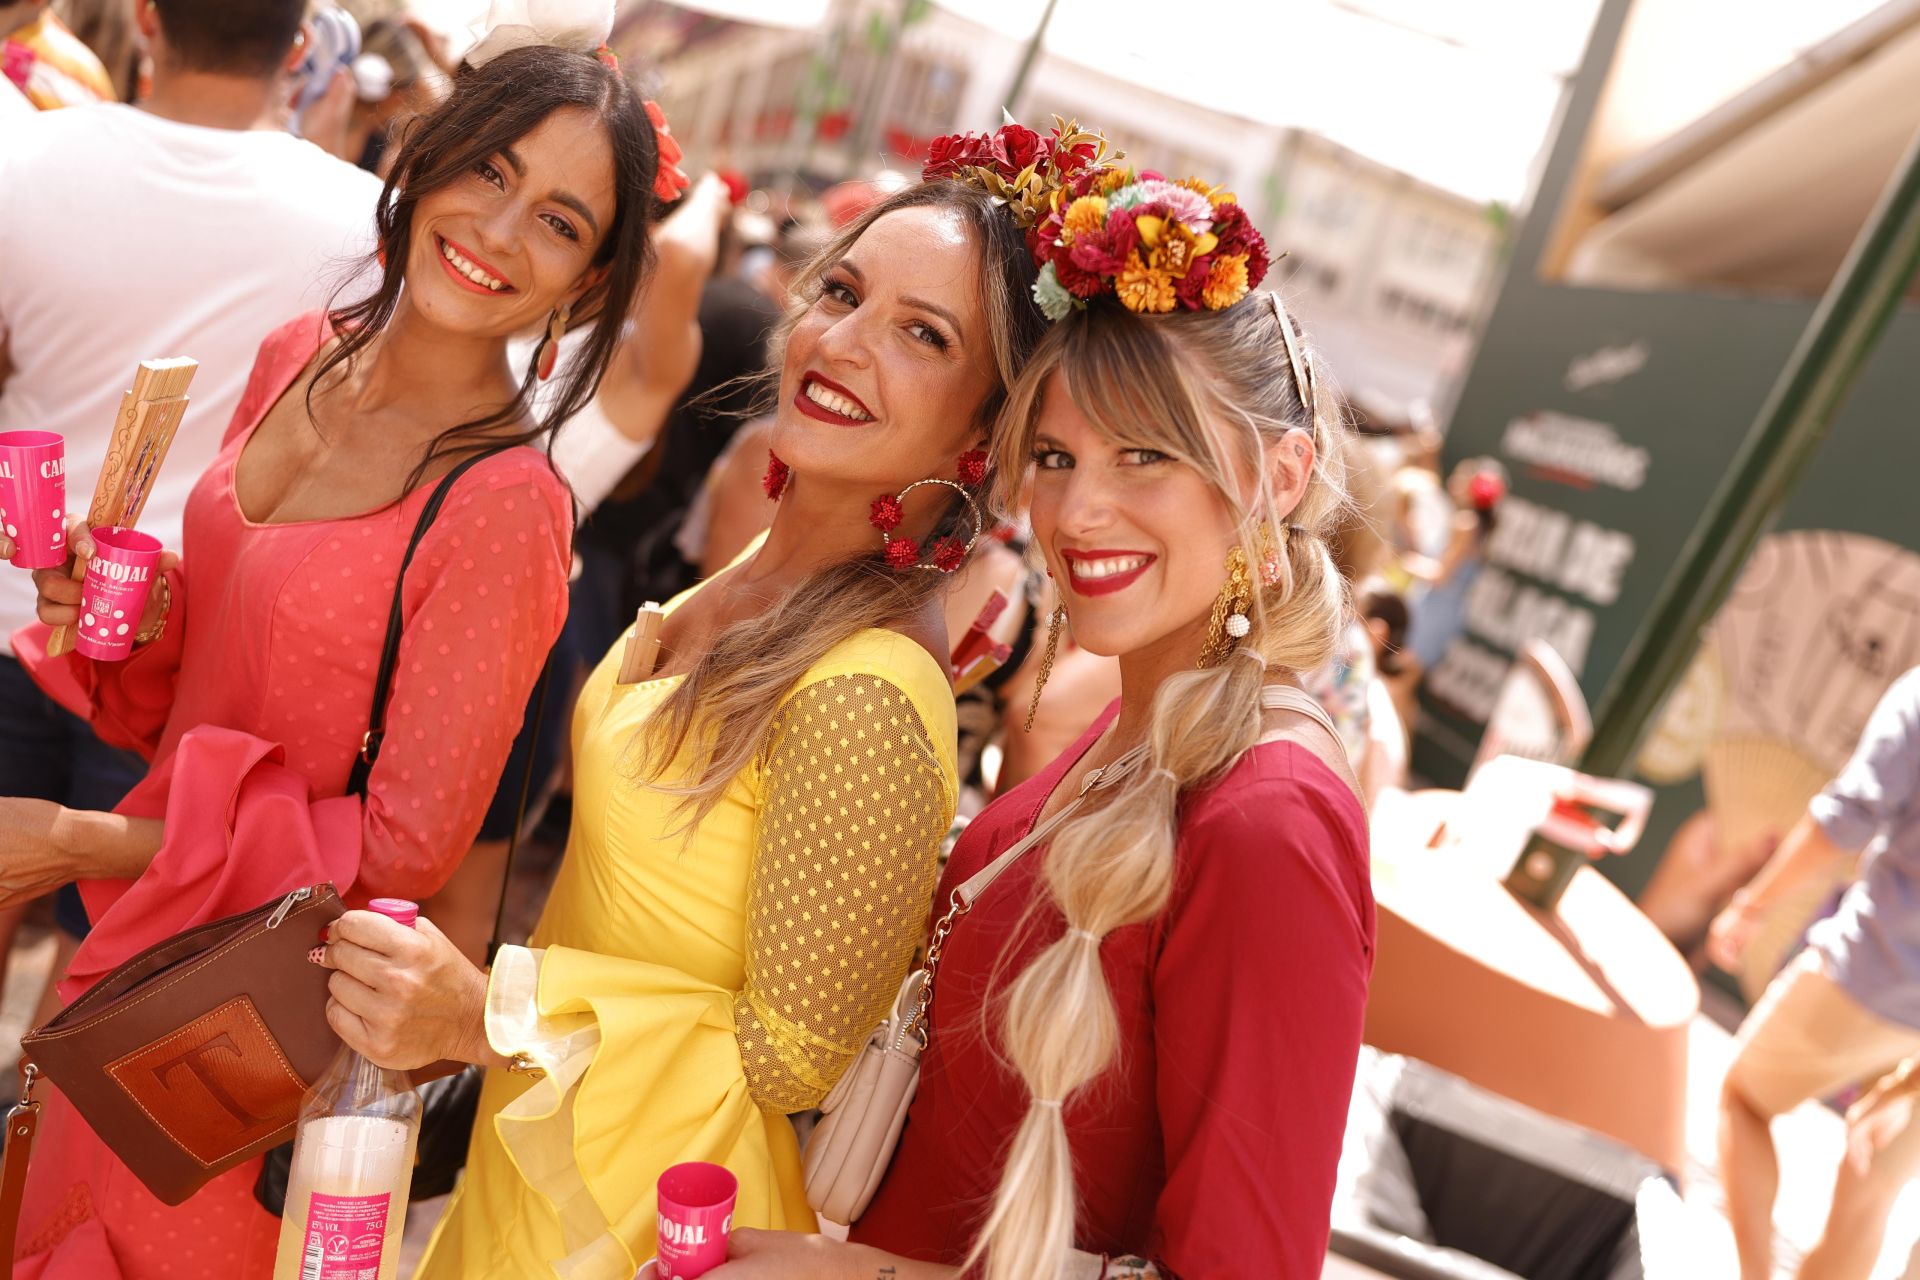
{"x": 142, "y": 432}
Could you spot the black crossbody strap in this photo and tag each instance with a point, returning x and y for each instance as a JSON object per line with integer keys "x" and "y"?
{"x": 390, "y": 649}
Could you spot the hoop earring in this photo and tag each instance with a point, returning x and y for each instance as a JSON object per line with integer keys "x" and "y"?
{"x": 1046, "y": 663}
{"x": 945, "y": 555}
{"x": 556, "y": 329}
{"x": 1229, "y": 624}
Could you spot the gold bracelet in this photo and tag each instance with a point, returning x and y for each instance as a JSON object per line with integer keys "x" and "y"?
{"x": 148, "y": 635}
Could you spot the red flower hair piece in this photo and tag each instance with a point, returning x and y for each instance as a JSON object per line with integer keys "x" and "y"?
{"x": 973, "y": 467}
{"x": 668, "y": 181}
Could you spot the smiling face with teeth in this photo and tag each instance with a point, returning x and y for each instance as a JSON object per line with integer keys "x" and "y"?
{"x": 494, "y": 252}
{"x": 887, "y": 369}
{"x": 1134, "y": 537}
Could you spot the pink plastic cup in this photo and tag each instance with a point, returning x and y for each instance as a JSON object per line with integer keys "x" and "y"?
{"x": 696, "y": 1213}
{"x": 33, "y": 497}
{"x": 114, "y": 594}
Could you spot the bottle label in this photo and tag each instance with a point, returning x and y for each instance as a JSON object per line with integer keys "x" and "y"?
{"x": 345, "y": 1235}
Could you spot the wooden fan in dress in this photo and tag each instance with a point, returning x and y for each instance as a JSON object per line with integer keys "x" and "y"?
{"x": 143, "y": 430}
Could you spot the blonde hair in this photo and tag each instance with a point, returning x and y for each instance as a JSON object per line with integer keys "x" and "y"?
{"x": 1211, "y": 389}
{"x": 725, "y": 707}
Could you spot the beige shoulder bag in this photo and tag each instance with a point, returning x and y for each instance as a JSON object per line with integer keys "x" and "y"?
{"x": 849, "y": 1150}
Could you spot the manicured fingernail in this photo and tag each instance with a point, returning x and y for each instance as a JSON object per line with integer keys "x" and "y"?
{"x": 317, "y": 956}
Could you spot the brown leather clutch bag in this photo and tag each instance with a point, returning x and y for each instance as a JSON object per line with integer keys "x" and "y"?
{"x": 193, "y": 1056}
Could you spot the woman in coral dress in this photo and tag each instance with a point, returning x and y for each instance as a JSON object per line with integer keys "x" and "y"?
{"x": 252, "y": 700}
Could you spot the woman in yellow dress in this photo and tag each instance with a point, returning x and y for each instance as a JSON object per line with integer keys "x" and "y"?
{"x": 756, "y": 825}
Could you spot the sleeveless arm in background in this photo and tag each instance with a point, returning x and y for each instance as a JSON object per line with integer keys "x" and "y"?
{"x": 845, "y": 856}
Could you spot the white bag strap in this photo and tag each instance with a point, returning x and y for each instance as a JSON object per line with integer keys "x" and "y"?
{"x": 1287, "y": 697}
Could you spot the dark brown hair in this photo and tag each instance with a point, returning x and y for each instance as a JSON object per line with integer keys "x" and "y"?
{"x": 230, "y": 37}
{"x": 491, "y": 108}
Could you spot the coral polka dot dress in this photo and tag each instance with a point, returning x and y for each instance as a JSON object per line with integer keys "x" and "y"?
{"x": 251, "y": 708}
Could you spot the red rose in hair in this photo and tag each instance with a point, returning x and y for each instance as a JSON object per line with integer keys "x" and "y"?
{"x": 1070, "y": 160}
{"x": 949, "y": 554}
{"x": 1016, "y": 146}
{"x": 948, "y": 155}
{"x": 973, "y": 466}
{"x": 902, "y": 553}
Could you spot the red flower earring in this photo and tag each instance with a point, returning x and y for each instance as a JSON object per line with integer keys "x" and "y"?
{"x": 944, "y": 555}
{"x": 778, "y": 473}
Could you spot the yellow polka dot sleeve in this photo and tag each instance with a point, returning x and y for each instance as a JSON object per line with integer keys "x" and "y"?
{"x": 845, "y": 858}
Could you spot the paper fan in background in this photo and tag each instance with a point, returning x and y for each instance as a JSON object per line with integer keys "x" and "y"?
{"x": 1818, "y": 626}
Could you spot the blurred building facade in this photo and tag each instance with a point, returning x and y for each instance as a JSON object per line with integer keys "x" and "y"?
{"x": 1387, "y": 271}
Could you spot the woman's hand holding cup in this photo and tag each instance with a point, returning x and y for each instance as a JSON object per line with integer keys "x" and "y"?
{"x": 60, "y": 592}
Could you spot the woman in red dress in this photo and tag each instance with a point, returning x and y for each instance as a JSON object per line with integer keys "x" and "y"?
{"x": 528, "y": 193}
{"x": 1143, "y": 1035}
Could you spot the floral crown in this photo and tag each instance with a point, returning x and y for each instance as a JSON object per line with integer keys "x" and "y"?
{"x": 1095, "y": 227}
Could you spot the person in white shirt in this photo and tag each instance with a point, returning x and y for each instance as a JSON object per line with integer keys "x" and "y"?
{"x": 171, "y": 229}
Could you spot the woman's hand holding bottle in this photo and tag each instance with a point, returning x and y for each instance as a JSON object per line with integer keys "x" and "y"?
{"x": 404, "y": 998}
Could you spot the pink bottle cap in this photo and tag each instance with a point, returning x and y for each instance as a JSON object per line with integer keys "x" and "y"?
{"x": 398, "y": 910}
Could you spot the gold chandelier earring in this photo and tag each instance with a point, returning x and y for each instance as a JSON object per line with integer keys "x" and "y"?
{"x": 1046, "y": 662}
{"x": 1230, "y": 623}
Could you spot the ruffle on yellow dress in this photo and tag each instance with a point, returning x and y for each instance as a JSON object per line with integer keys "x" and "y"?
{"x": 687, "y": 991}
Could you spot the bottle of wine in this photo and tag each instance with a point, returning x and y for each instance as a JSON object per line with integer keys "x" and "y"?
{"x": 352, "y": 1165}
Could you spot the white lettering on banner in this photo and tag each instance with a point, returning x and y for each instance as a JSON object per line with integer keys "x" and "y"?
{"x": 53, "y": 467}
{"x": 1608, "y": 364}
{"x": 1468, "y": 678}
{"x": 1573, "y": 555}
{"x": 674, "y": 1232}
{"x": 1507, "y": 612}
{"x": 1578, "y": 451}
{"x": 6, "y": 471}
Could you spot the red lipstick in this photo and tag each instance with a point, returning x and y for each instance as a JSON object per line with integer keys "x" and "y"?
{"x": 477, "y": 261}
{"x": 1107, "y": 583}
{"x": 808, "y": 406}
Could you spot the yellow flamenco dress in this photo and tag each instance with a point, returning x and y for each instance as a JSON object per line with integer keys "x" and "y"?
{"x": 687, "y": 991}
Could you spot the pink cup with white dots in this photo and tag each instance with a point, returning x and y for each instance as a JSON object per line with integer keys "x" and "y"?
{"x": 114, "y": 594}
{"x": 33, "y": 497}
